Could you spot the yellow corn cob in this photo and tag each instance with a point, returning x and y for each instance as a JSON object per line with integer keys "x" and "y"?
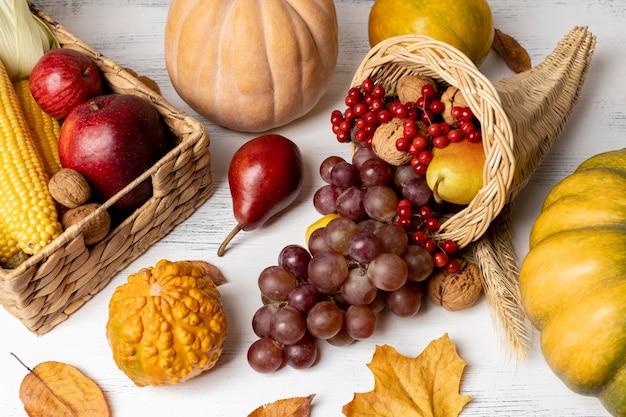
{"x": 8, "y": 246}
{"x": 26, "y": 207}
{"x": 44, "y": 127}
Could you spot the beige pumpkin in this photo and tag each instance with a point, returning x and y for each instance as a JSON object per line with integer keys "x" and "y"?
{"x": 251, "y": 65}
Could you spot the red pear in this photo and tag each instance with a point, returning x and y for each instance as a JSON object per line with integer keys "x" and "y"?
{"x": 265, "y": 176}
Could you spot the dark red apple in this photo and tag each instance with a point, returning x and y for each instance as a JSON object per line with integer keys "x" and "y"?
{"x": 111, "y": 140}
{"x": 63, "y": 78}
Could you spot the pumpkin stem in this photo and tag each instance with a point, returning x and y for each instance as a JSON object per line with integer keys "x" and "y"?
{"x": 231, "y": 235}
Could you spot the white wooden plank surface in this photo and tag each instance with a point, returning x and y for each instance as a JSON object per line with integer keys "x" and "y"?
{"x": 131, "y": 32}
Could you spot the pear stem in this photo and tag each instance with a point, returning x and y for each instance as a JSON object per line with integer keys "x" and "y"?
{"x": 231, "y": 235}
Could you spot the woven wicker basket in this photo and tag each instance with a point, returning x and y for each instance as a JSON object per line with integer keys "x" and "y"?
{"x": 49, "y": 286}
{"x": 520, "y": 117}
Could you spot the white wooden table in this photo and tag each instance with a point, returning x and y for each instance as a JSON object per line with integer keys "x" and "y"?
{"x": 132, "y": 34}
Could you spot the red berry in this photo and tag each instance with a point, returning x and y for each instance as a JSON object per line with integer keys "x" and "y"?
{"x": 432, "y": 224}
{"x": 437, "y": 106}
{"x": 378, "y": 91}
{"x": 402, "y": 144}
{"x": 418, "y": 237}
{"x": 434, "y": 130}
{"x": 349, "y": 114}
{"x": 367, "y": 85}
{"x": 467, "y": 128}
{"x": 430, "y": 245}
{"x": 404, "y": 212}
{"x": 384, "y": 116}
{"x": 425, "y": 212}
{"x": 457, "y": 112}
{"x": 419, "y": 168}
{"x": 343, "y": 137}
{"x": 345, "y": 126}
{"x": 440, "y": 259}
{"x": 360, "y": 109}
{"x": 449, "y": 246}
{"x": 475, "y": 136}
{"x": 425, "y": 156}
{"x": 440, "y": 141}
{"x": 335, "y": 117}
{"x": 455, "y": 135}
{"x": 452, "y": 266}
{"x": 377, "y": 105}
{"x": 420, "y": 142}
{"x": 428, "y": 91}
{"x": 409, "y": 132}
{"x": 360, "y": 135}
{"x": 371, "y": 118}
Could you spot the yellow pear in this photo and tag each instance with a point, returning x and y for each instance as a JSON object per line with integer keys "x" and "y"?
{"x": 455, "y": 173}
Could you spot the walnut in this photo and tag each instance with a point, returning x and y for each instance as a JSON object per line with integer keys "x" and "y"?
{"x": 458, "y": 290}
{"x": 452, "y": 97}
{"x": 69, "y": 188}
{"x": 409, "y": 87}
{"x": 385, "y": 137}
{"x": 93, "y": 231}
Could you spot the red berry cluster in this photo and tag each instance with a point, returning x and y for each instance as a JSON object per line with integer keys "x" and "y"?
{"x": 421, "y": 224}
{"x": 368, "y": 107}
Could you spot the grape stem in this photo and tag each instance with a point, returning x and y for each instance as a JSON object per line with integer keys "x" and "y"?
{"x": 231, "y": 235}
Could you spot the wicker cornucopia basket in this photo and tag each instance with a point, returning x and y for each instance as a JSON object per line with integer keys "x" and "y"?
{"x": 521, "y": 118}
{"x": 49, "y": 286}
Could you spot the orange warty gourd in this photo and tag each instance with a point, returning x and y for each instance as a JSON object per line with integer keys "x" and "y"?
{"x": 251, "y": 65}
{"x": 573, "y": 279}
{"x": 166, "y": 324}
{"x": 467, "y": 25}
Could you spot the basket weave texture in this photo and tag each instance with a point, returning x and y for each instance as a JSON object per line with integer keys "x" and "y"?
{"x": 52, "y": 284}
{"x": 520, "y": 116}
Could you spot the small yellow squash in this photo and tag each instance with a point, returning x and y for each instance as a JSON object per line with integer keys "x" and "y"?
{"x": 251, "y": 65}
{"x": 573, "y": 279}
{"x": 166, "y": 324}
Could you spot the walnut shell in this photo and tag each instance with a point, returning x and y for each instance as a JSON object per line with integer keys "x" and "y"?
{"x": 409, "y": 87}
{"x": 452, "y": 97}
{"x": 96, "y": 229}
{"x": 458, "y": 290}
{"x": 384, "y": 143}
{"x": 69, "y": 188}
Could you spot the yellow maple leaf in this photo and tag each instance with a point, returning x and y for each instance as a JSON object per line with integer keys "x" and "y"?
{"x": 426, "y": 386}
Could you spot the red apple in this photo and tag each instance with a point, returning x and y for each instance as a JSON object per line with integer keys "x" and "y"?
{"x": 111, "y": 140}
{"x": 63, "y": 78}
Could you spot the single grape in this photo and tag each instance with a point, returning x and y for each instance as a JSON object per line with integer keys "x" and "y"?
{"x": 363, "y": 246}
{"x": 261, "y": 320}
{"x": 265, "y": 355}
{"x": 393, "y": 238}
{"x": 369, "y": 225}
{"x": 357, "y": 289}
{"x": 380, "y": 203}
{"x": 317, "y": 242}
{"x": 416, "y": 190}
{"x": 387, "y": 271}
{"x": 405, "y": 301}
{"x": 287, "y": 325}
{"x": 361, "y": 156}
{"x": 303, "y": 297}
{"x": 375, "y": 171}
{"x": 360, "y": 322}
{"x": 275, "y": 283}
{"x": 295, "y": 260}
{"x": 327, "y": 271}
{"x": 324, "y": 320}
{"x": 327, "y": 165}
{"x": 349, "y": 203}
{"x": 325, "y": 199}
{"x": 401, "y": 175}
{"x": 342, "y": 338}
{"x": 302, "y": 354}
{"x": 339, "y": 231}
{"x": 345, "y": 175}
{"x": 419, "y": 262}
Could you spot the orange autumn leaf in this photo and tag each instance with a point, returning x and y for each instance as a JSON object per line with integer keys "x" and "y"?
{"x": 426, "y": 386}
{"x": 60, "y": 390}
{"x": 292, "y": 407}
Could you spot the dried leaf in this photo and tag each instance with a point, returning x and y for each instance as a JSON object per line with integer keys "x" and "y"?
{"x": 212, "y": 271}
{"x": 426, "y": 386}
{"x": 292, "y": 407}
{"x": 60, "y": 390}
{"x": 515, "y": 55}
